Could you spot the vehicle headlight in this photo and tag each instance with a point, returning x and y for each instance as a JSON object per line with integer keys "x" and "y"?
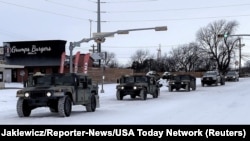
{"x": 26, "y": 94}
{"x": 134, "y": 87}
{"x": 120, "y": 87}
{"x": 48, "y": 94}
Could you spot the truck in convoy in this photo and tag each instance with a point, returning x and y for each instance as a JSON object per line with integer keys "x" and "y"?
{"x": 58, "y": 92}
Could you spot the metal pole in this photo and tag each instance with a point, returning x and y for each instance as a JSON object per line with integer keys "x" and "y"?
{"x": 90, "y": 27}
{"x": 102, "y": 90}
{"x": 99, "y": 27}
{"x": 239, "y": 56}
{"x": 71, "y": 57}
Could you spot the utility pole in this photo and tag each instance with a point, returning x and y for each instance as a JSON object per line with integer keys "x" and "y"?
{"x": 93, "y": 49}
{"x": 240, "y": 56}
{"x": 99, "y": 27}
{"x": 90, "y": 27}
{"x": 159, "y": 52}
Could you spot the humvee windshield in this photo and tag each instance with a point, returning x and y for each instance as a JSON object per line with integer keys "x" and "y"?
{"x": 141, "y": 79}
{"x": 181, "y": 77}
{"x": 43, "y": 81}
{"x": 135, "y": 79}
{"x": 64, "y": 80}
{"x": 47, "y": 80}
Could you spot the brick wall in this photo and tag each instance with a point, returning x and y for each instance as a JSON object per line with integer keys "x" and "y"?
{"x": 111, "y": 74}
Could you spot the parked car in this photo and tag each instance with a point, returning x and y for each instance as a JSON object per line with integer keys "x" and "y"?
{"x": 232, "y": 76}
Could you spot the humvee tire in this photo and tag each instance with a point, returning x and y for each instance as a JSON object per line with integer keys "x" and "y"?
{"x": 23, "y": 109}
{"x": 118, "y": 95}
{"x": 156, "y": 94}
{"x": 90, "y": 107}
{"x": 64, "y": 106}
{"x": 188, "y": 87}
{"x": 143, "y": 95}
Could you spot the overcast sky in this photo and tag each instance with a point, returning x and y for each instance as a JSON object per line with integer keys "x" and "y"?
{"x": 24, "y": 20}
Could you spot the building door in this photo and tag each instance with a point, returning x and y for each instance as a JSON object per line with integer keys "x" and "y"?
{"x": 7, "y": 75}
{"x": 14, "y": 75}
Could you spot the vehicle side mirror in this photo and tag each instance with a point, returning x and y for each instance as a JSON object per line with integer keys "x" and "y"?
{"x": 118, "y": 80}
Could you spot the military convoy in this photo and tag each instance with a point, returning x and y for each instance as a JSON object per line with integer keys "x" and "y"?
{"x": 58, "y": 92}
{"x": 137, "y": 86}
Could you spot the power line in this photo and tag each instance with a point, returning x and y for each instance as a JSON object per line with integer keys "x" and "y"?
{"x": 71, "y": 6}
{"x": 180, "y": 9}
{"x": 125, "y": 1}
{"x": 182, "y": 19}
{"x": 153, "y": 20}
{"x": 44, "y": 11}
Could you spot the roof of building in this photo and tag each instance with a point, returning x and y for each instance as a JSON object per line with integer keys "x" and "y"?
{"x": 10, "y": 66}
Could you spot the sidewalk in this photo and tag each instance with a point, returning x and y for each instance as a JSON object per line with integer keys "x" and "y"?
{"x": 13, "y": 85}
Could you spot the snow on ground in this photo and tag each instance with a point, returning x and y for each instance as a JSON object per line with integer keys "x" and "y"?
{"x": 228, "y": 104}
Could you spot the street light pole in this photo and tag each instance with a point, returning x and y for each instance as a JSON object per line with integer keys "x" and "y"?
{"x": 101, "y": 38}
{"x": 239, "y": 55}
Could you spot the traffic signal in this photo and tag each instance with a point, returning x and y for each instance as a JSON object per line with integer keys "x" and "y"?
{"x": 222, "y": 35}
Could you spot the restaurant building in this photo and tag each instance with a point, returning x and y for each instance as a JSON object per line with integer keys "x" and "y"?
{"x": 36, "y": 56}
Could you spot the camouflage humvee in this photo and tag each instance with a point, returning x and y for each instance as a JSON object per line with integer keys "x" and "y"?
{"x": 182, "y": 81}
{"x": 58, "y": 92}
{"x": 137, "y": 85}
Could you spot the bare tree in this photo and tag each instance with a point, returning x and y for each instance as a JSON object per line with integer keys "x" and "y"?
{"x": 220, "y": 52}
{"x": 140, "y": 56}
{"x": 247, "y": 64}
{"x": 138, "y": 60}
{"x": 111, "y": 60}
{"x": 114, "y": 64}
{"x": 177, "y": 57}
{"x": 186, "y": 57}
